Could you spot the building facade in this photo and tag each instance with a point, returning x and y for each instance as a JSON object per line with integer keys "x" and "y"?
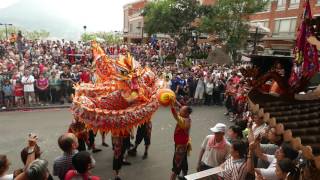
{"x": 283, "y": 18}
{"x": 133, "y": 21}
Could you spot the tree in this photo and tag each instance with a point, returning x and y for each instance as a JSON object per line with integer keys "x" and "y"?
{"x": 229, "y": 19}
{"x": 108, "y": 37}
{"x": 33, "y": 35}
{"x": 169, "y": 16}
{"x": 10, "y": 29}
{"x": 85, "y": 37}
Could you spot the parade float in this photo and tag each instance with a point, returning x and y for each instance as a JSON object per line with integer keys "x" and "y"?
{"x": 124, "y": 94}
{"x": 281, "y": 97}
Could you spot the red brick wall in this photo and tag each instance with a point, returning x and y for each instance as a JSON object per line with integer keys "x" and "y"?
{"x": 137, "y": 6}
{"x": 208, "y": 2}
{"x": 274, "y": 14}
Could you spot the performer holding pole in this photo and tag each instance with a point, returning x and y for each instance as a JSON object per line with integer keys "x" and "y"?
{"x": 181, "y": 139}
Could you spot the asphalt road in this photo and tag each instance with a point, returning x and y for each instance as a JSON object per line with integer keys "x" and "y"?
{"x": 49, "y": 124}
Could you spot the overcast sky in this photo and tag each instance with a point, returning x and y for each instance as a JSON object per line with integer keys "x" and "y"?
{"x": 98, "y": 15}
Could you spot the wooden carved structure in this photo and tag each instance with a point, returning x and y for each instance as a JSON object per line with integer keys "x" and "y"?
{"x": 263, "y": 71}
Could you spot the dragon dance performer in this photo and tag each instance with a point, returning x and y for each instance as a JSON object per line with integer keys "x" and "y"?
{"x": 181, "y": 140}
{"x": 143, "y": 133}
{"x": 78, "y": 128}
{"x": 120, "y": 144}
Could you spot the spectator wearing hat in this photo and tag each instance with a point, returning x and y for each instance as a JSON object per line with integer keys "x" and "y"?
{"x": 214, "y": 149}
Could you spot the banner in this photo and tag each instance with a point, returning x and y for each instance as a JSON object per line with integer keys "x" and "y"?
{"x": 306, "y": 55}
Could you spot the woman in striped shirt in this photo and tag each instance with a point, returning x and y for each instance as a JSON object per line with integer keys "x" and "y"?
{"x": 239, "y": 163}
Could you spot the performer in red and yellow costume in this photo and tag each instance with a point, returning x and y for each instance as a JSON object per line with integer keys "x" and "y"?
{"x": 182, "y": 140}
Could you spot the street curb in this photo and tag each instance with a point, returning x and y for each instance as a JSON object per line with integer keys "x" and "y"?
{"x": 36, "y": 108}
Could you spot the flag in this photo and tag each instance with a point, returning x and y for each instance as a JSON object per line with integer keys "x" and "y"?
{"x": 306, "y": 55}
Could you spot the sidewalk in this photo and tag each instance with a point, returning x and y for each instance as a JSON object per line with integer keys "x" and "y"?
{"x": 37, "y": 107}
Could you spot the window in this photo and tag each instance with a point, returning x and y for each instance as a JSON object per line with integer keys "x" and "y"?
{"x": 267, "y": 8}
{"x": 285, "y": 27}
{"x": 318, "y": 1}
{"x": 294, "y": 3}
{"x": 130, "y": 28}
{"x": 281, "y": 4}
{"x": 263, "y": 23}
{"x": 268, "y": 5}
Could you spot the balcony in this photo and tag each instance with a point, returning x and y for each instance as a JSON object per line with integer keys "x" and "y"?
{"x": 283, "y": 34}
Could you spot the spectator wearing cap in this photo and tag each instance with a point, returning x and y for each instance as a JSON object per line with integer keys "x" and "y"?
{"x": 214, "y": 149}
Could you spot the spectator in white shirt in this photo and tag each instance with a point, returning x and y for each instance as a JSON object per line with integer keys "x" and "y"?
{"x": 209, "y": 91}
{"x": 215, "y": 149}
{"x": 285, "y": 151}
{"x": 28, "y": 87}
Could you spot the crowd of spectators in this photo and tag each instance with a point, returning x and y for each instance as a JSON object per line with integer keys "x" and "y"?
{"x": 43, "y": 72}
{"x": 39, "y": 73}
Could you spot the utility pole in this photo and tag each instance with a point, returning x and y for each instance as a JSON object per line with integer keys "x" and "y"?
{"x": 255, "y": 41}
{"x": 6, "y": 27}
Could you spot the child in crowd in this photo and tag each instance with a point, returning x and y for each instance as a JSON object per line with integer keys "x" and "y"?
{"x": 18, "y": 93}
{"x": 7, "y": 91}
